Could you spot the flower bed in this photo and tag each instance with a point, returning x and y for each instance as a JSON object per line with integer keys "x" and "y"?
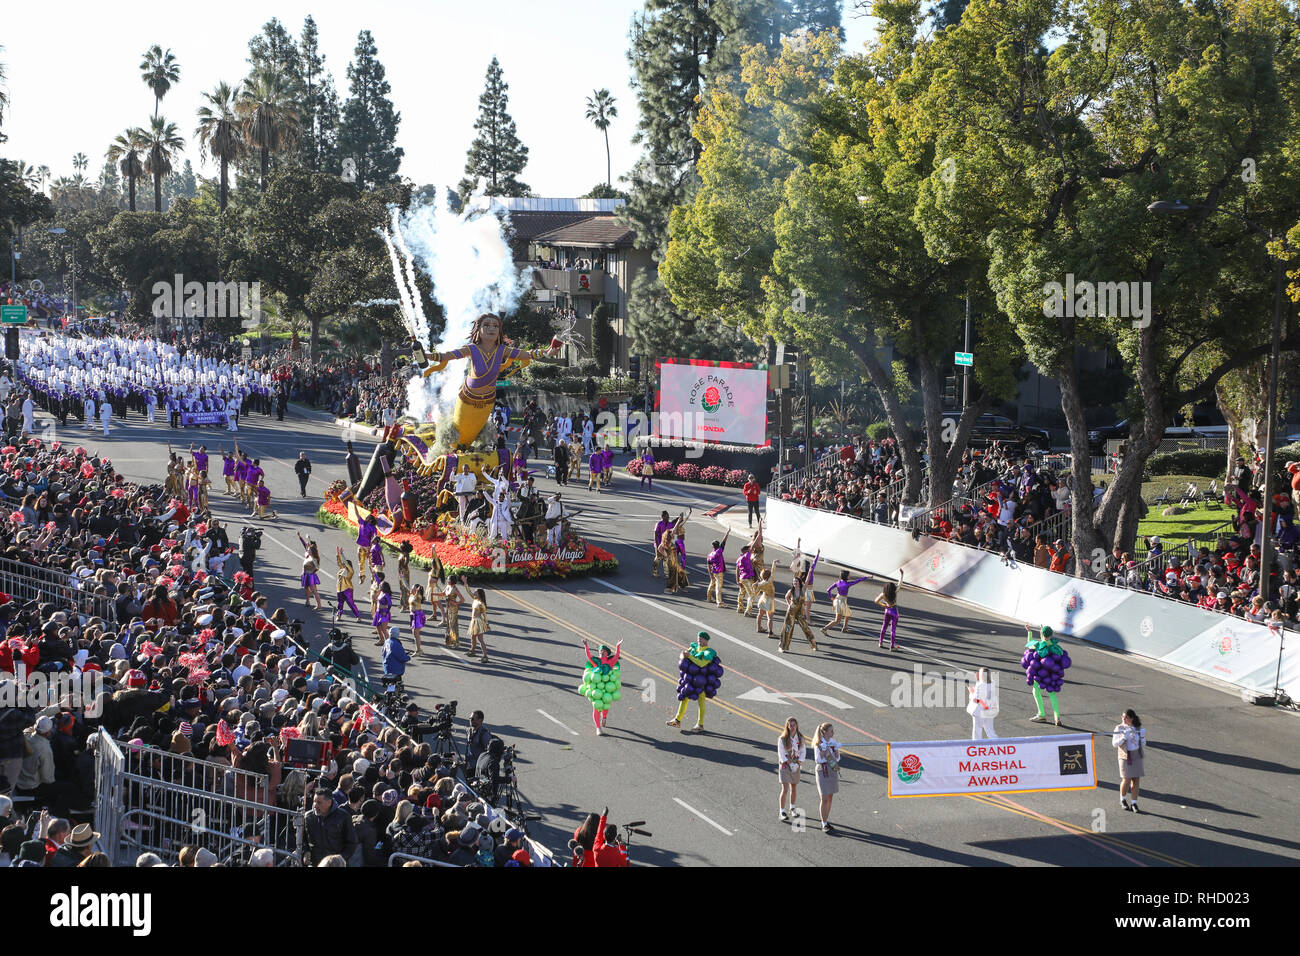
{"x": 686, "y": 471}
{"x": 479, "y": 559}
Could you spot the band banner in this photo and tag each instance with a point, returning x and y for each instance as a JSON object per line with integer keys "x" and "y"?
{"x": 937, "y": 768}
{"x": 202, "y": 418}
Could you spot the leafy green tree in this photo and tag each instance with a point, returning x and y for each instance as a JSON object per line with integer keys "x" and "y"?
{"x": 368, "y": 132}
{"x": 219, "y": 132}
{"x": 496, "y": 156}
{"x": 313, "y": 238}
{"x": 268, "y": 117}
{"x": 1056, "y": 156}
{"x": 160, "y": 72}
{"x": 604, "y": 191}
{"x": 160, "y": 143}
{"x": 20, "y": 204}
{"x": 602, "y": 338}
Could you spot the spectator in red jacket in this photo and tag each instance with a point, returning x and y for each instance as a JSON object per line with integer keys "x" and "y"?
{"x": 752, "y": 490}
{"x": 607, "y": 850}
{"x": 584, "y": 841}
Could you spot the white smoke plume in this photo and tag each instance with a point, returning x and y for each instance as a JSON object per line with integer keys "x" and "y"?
{"x": 468, "y": 258}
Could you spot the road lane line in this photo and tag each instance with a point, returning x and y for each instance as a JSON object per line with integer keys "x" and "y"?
{"x": 571, "y": 731}
{"x": 716, "y": 826}
{"x": 777, "y": 658}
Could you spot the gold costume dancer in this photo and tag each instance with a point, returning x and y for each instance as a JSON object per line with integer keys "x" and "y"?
{"x": 795, "y": 603}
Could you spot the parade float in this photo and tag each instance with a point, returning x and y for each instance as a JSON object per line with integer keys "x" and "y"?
{"x": 409, "y": 483}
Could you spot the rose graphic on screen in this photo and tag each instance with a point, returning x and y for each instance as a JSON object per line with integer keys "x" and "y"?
{"x": 910, "y": 769}
{"x": 712, "y": 399}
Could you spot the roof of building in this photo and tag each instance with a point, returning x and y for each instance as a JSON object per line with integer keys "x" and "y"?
{"x": 529, "y": 224}
{"x": 594, "y": 232}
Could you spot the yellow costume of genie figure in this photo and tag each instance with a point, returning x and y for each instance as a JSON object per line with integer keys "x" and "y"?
{"x": 489, "y": 358}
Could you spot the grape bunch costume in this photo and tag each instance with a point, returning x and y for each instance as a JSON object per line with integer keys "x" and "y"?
{"x": 1045, "y": 663}
{"x": 701, "y": 676}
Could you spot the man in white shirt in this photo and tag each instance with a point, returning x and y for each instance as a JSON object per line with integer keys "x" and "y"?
{"x": 105, "y": 415}
{"x": 554, "y": 514}
{"x": 29, "y": 416}
{"x": 464, "y": 487}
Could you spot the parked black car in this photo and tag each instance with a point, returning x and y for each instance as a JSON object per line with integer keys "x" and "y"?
{"x": 990, "y": 428}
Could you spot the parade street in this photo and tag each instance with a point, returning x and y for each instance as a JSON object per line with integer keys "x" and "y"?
{"x": 1221, "y": 774}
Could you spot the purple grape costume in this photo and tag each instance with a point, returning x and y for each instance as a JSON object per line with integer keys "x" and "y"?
{"x": 1045, "y": 663}
{"x": 701, "y": 676}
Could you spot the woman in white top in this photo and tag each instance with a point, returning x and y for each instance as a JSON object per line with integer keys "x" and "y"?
{"x": 827, "y": 750}
{"x": 983, "y": 706}
{"x": 1129, "y": 741}
{"x": 790, "y": 752}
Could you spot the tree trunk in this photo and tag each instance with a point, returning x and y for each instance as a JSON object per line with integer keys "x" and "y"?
{"x": 315, "y": 321}
{"x": 224, "y": 186}
{"x": 894, "y": 413}
{"x": 157, "y": 192}
{"x": 386, "y": 358}
{"x": 608, "y": 179}
{"x": 266, "y": 162}
{"x": 131, "y": 191}
{"x": 1086, "y": 543}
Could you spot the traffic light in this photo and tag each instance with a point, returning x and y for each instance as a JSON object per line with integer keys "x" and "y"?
{"x": 634, "y": 367}
{"x": 950, "y": 391}
{"x": 792, "y": 360}
{"x": 771, "y": 351}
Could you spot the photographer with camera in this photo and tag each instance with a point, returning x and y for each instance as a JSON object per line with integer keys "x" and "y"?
{"x": 250, "y": 539}
{"x": 477, "y": 739}
{"x": 339, "y": 651}
{"x": 607, "y": 850}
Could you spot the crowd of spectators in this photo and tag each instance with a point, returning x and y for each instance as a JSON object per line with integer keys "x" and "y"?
{"x": 201, "y": 680}
{"x": 40, "y": 305}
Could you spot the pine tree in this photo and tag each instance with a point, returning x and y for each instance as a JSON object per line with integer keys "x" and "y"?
{"x": 496, "y": 156}
{"x": 947, "y": 13}
{"x": 320, "y": 108}
{"x": 180, "y": 184}
{"x": 368, "y": 131}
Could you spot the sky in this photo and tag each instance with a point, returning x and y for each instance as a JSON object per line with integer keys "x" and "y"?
{"x": 74, "y": 81}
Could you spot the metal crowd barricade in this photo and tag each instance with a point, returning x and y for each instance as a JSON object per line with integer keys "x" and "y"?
{"x": 423, "y": 860}
{"x": 31, "y": 582}
{"x": 149, "y": 800}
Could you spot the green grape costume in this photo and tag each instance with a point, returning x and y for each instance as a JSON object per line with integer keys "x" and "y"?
{"x": 601, "y": 683}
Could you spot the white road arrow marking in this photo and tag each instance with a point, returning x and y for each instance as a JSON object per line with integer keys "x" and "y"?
{"x": 762, "y": 696}
{"x": 825, "y": 699}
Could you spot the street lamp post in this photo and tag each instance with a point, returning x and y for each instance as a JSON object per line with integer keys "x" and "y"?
{"x": 1266, "y": 506}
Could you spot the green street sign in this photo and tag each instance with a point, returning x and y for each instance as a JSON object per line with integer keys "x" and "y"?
{"x": 964, "y": 358}
{"x": 13, "y": 314}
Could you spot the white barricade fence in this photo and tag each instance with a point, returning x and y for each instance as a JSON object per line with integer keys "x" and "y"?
{"x": 1205, "y": 642}
{"x": 938, "y": 768}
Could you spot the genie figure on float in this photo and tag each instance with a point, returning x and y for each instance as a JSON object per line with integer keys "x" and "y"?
{"x": 490, "y": 354}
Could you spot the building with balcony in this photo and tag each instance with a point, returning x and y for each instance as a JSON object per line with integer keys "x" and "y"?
{"x": 582, "y": 255}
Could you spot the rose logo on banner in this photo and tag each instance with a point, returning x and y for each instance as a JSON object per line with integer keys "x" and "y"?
{"x": 1224, "y": 644}
{"x": 712, "y": 399}
{"x": 1072, "y": 606}
{"x": 910, "y": 769}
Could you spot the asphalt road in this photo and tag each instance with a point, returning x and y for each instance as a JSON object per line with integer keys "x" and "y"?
{"x": 1222, "y": 787}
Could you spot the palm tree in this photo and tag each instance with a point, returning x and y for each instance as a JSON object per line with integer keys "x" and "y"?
{"x": 159, "y": 71}
{"x": 29, "y": 175}
{"x": 126, "y": 151}
{"x": 219, "y": 131}
{"x": 600, "y": 110}
{"x": 79, "y": 162}
{"x": 161, "y": 144}
{"x": 44, "y": 172}
{"x": 268, "y": 118}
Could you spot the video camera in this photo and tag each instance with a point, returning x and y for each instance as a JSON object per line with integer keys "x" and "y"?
{"x": 251, "y": 537}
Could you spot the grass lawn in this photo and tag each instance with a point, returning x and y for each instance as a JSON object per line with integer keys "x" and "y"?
{"x": 1198, "y": 521}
